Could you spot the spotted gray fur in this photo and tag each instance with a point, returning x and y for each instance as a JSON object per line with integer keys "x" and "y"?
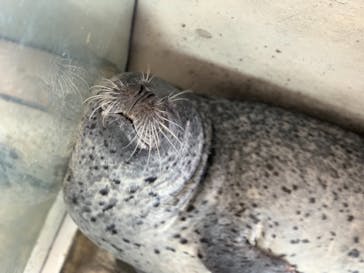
{"x": 253, "y": 188}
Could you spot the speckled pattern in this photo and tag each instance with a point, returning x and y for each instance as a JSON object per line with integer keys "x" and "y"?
{"x": 250, "y": 188}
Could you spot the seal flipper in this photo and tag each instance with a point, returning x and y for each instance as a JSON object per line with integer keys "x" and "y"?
{"x": 226, "y": 252}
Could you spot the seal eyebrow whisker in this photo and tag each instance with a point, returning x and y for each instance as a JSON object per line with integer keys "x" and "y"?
{"x": 102, "y": 88}
{"x": 92, "y": 98}
{"x": 146, "y": 77}
{"x": 173, "y": 97}
{"x": 112, "y": 82}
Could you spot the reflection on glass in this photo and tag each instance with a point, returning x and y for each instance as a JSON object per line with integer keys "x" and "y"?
{"x": 50, "y": 54}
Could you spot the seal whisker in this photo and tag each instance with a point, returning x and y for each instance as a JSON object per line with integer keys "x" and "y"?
{"x": 102, "y": 87}
{"x": 169, "y": 121}
{"x": 134, "y": 151}
{"x": 154, "y": 132}
{"x": 170, "y": 142}
{"x": 135, "y": 137}
{"x": 172, "y": 97}
{"x": 171, "y": 133}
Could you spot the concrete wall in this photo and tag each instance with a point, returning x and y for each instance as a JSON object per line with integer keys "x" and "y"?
{"x": 90, "y": 31}
{"x": 301, "y": 54}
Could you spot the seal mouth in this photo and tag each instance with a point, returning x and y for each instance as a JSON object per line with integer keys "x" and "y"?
{"x": 153, "y": 117}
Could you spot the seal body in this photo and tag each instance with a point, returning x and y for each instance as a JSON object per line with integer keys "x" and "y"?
{"x": 236, "y": 187}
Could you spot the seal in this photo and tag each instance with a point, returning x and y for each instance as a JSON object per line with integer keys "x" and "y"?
{"x": 171, "y": 182}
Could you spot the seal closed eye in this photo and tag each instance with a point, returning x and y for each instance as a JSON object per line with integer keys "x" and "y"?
{"x": 175, "y": 182}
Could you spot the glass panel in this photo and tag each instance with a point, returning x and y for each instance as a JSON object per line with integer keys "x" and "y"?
{"x": 50, "y": 54}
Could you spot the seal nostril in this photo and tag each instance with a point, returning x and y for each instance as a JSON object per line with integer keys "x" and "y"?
{"x": 141, "y": 89}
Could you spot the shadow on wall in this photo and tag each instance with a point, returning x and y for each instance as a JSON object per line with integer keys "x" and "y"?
{"x": 202, "y": 76}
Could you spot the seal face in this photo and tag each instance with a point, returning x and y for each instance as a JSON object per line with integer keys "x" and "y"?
{"x": 227, "y": 187}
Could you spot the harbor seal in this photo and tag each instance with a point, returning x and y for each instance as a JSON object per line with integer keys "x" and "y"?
{"x": 172, "y": 182}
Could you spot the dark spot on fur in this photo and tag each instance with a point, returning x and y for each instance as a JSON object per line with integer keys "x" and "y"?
{"x": 93, "y": 219}
{"x": 156, "y": 251}
{"x": 116, "y": 181}
{"x": 129, "y": 198}
{"x": 204, "y": 240}
{"x": 111, "y": 228}
{"x": 356, "y": 239}
{"x": 183, "y": 241}
{"x": 150, "y": 179}
{"x": 110, "y": 205}
{"x": 69, "y": 177}
{"x": 190, "y": 208}
{"x": 323, "y": 217}
{"x": 133, "y": 189}
{"x": 126, "y": 240}
{"x": 170, "y": 248}
{"x": 286, "y": 190}
{"x": 86, "y": 209}
{"x": 74, "y": 199}
{"x": 354, "y": 253}
{"x": 104, "y": 191}
{"x": 117, "y": 248}
{"x": 312, "y": 200}
{"x": 350, "y": 218}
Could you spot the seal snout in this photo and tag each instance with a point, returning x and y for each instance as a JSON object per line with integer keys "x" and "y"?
{"x": 153, "y": 116}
